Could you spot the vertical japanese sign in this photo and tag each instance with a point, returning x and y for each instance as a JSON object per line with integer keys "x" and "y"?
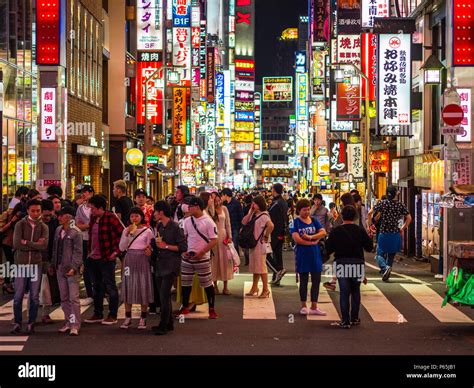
{"x": 465, "y": 95}
{"x": 394, "y": 83}
{"x": 48, "y": 114}
{"x": 182, "y": 47}
{"x": 155, "y": 95}
{"x": 257, "y": 153}
{"x": 181, "y": 13}
{"x": 210, "y": 76}
{"x": 374, "y": 9}
{"x": 348, "y": 16}
{"x": 319, "y": 20}
{"x": 369, "y": 63}
{"x": 149, "y": 25}
{"x": 300, "y": 61}
{"x": 464, "y": 168}
{"x": 349, "y": 49}
{"x": 337, "y": 156}
{"x": 202, "y": 60}
{"x": 318, "y": 75}
{"x": 348, "y": 101}
{"x": 211, "y": 134}
{"x": 355, "y": 160}
{"x": 302, "y": 90}
{"x": 179, "y": 116}
{"x": 220, "y": 100}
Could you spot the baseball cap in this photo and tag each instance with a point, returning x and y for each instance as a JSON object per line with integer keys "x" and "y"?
{"x": 67, "y": 210}
{"x": 140, "y": 192}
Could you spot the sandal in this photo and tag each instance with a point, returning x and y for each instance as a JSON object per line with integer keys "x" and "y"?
{"x": 252, "y": 293}
{"x": 264, "y": 295}
{"x": 226, "y": 292}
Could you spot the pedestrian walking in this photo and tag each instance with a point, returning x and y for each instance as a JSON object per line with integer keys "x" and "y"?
{"x": 348, "y": 241}
{"x": 168, "y": 246}
{"x": 105, "y": 231}
{"x": 30, "y": 238}
{"x": 67, "y": 260}
{"x": 83, "y": 218}
{"x": 137, "y": 286}
{"x": 306, "y": 232}
{"x": 320, "y": 212}
{"x": 222, "y": 263}
{"x": 278, "y": 211}
{"x": 389, "y": 242}
{"x": 201, "y": 235}
{"x": 262, "y": 232}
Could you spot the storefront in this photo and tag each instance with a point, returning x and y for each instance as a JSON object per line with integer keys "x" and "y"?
{"x": 380, "y": 168}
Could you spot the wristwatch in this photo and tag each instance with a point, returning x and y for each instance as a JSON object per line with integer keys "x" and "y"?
{"x": 166, "y": 247}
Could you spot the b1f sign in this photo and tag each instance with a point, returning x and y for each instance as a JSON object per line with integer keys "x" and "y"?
{"x": 181, "y": 13}
{"x": 394, "y": 80}
{"x": 48, "y": 114}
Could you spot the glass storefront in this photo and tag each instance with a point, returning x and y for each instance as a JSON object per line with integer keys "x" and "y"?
{"x": 19, "y": 129}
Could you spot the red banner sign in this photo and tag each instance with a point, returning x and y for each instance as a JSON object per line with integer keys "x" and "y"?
{"x": 155, "y": 95}
{"x": 348, "y": 101}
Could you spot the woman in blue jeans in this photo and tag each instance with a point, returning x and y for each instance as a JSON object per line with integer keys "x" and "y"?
{"x": 348, "y": 242}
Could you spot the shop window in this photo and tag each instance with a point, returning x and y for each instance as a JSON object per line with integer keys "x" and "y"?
{"x": 3, "y": 31}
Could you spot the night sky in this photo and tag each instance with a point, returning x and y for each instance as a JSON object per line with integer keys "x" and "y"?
{"x": 273, "y": 16}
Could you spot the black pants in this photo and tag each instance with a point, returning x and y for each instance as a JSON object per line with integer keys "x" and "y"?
{"x": 349, "y": 291}
{"x": 8, "y": 250}
{"x": 275, "y": 259}
{"x": 103, "y": 279}
{"x": 156, "y": 291}
{"x": 315, "y": 281}
{"x": 87, "y": 274}
{"x": 164, "y": 284}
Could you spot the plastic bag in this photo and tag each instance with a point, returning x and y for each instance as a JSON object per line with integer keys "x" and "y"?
{"x": 45, "y": 291}
{"x": 234, "y": 254}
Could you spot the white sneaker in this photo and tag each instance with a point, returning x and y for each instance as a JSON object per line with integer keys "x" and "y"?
{"x": 64, "y": 329}
{"x": 74, "y": 332}
{"x": 438, "y": 276}
{"x": 304, "y": 311}
{"x": 316, "y": 312}
{"x": 126, "y": 324}
{"x": 142, "y": 324}
{"x": 86, "y": 301}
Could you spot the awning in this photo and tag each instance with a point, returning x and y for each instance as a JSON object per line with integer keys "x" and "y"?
{"x": 407, "y": 182}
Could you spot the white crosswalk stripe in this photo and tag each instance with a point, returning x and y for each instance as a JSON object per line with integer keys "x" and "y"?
{"x": 12, "y": 344}
{"x": 6, "y": 310}
{"x": 256, "y": 308}
{"x": 431, "y": 301}
{"x": 378, "y": 306}
{"x": 325, "y": 304}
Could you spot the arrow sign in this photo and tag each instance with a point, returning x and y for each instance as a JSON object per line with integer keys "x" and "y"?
{"x": 452, "y": 114}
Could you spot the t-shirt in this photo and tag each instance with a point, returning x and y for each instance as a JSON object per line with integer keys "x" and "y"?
{"x": 13, "y": 202}
{"x": 308, "y": 257}
{"x": 391, "y": 212}
{"x": 123, "y": 207}
{"x": 141, "y": 242}
{"x": 83, "y": 216}
{"x": 206, "y": 226}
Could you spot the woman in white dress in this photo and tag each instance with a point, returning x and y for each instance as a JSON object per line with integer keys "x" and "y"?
{"x": 222, "y": 264}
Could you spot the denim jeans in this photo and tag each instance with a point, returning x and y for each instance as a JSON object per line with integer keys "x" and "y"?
{"x": 22, "y": 284}
{"x": 349, "y": 293}
{"x": 103, "y": 279}
{"x": 87, "y": 275}
{"x": 384, "y": 260}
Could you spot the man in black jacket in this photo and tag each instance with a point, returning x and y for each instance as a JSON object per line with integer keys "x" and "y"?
{"x": 167, "y": 249}
{"x": 279, "y": 216}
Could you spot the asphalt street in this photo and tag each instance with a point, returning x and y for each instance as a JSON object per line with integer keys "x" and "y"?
{"x": 400, "y": 317}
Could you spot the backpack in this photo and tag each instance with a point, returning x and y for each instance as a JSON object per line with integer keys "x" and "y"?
{"x": 246, "y": 238}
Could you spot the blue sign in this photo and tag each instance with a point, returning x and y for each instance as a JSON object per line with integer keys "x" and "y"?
{"x": 244, "y": 116}
{"x": 220, "y": 89}
{"x": 181, "y": 13}
{"x": 300, "y": 61}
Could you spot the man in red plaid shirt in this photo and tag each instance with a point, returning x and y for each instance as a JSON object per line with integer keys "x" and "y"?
{"x": 105, "y": 231}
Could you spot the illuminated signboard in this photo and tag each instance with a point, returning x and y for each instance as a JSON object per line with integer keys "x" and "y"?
{"x": 182, "y": 47}
{"x": 369, "y": 63}
{"x": 277, "y": 89}
{"x": 465, "y": 95}
{"x": 48, "y": 114}
{"x": 302, "y": 93}
{"x": 289, "y": 34}
{"x": 179, "y": 136}
{"x": 339, "y": 125}
{"x": 394, "y": 83}
{"x": 155, "y": 95}
{"x": 463, "y": 33}
{"x": 211, "y": 80}
{"x": 181, "y": 13}
{"x": 348, "y": 101}
{"x": 374, "y": 9}
{"x": 149, "y": 25}
{"x": 349, "y": 49}
{"x": 355, "y": 160}
{"x": 300, "y": 61}
{"x": 257, "y": 153}
{"x": 47, "y": 32}
{"x": 337, "y": 156}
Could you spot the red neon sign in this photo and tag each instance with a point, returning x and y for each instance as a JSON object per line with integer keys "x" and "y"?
{"x": 47, "y": 32}
{"x": 463, "y": 33}
{"x": 155, "y": 95}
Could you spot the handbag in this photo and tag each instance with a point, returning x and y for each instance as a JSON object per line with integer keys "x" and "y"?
{"x": 234, "y": 255}
{"x": 45, "y": 291}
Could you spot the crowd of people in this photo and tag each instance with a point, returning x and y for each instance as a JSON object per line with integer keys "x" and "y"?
{"x": 188, "y": 244}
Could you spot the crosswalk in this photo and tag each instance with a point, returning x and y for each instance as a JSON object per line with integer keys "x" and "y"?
{"x": 12, "y": 344}
{"x": 376, "y": 301}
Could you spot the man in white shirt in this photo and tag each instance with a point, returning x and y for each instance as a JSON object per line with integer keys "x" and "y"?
{"x": 20, "y": 196}
{"x": 201, "y": 234}
{"x": 83, "y": 217}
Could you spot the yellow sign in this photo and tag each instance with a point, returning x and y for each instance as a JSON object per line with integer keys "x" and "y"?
{"x": 244, "y": 126}
{"x": 179, "y": 117}
{"x": 134, "y": 157}
{"x": 289, "y": 34}
{"x": 245, "y": 137}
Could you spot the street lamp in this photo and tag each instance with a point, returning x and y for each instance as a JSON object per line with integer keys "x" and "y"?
{"x": 432, "y": 69}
